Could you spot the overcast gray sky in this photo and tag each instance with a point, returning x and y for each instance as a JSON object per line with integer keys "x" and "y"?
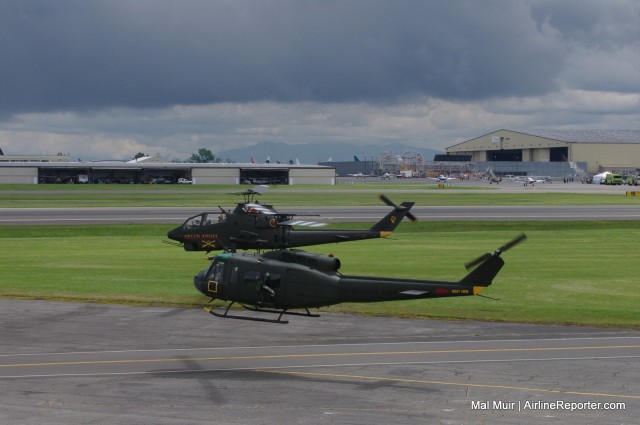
{"x": 109, "y": 79}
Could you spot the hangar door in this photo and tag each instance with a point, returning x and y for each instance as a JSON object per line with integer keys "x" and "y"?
{"x": 559, "y": 154}
{"x": 513, "y": 155}
{"x": 264, "y": 175}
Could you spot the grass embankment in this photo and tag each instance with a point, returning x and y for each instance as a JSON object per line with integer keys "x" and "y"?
{"x": 331, "y": 196}
{"x": 581, "y": 273}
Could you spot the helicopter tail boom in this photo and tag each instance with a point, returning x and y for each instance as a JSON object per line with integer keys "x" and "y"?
{"x": 482, "y": 272}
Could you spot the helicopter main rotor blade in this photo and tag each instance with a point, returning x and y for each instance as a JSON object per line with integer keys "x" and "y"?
{"x": 260, "y": 189}
{"x": 302, "y": 223}
{"x": 497, "y": 252}
{"x": 389, "y": 202}
{"x": 260, "y": 208}
{"x": 255, "y": 190}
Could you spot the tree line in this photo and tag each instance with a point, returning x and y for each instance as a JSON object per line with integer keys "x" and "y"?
{"x": 203, "y": 156}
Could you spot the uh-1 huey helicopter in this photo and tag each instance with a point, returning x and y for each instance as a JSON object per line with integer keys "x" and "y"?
{"x": 252, "y": 225}
{"x": 282, "y": 280}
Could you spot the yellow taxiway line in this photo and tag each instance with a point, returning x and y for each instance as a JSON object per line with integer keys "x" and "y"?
{"x": 314, "y": 355}
{"x": 458, "y": 384}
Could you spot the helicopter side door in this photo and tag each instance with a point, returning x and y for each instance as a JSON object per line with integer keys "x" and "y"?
{"x": 259, "y": 288}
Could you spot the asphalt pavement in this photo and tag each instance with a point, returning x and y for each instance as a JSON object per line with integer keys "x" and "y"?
{"x": 74, "y": 363}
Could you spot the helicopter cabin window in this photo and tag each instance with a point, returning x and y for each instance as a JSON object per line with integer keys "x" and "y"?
{"x": 251, "y": 277}
{"x": 272, "y": 279}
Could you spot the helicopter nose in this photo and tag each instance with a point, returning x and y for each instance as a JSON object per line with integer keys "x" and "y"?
{"x": 200, "y": 282}
{"x": 174, "y": 234}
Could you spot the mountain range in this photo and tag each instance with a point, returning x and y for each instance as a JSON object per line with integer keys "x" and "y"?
{"x": 313, "y": 153}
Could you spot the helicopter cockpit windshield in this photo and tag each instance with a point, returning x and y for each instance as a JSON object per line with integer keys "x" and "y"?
{"x": 216, "y": 271}
{"x": 203, "y": 219}
{"x": 211, "y": 281}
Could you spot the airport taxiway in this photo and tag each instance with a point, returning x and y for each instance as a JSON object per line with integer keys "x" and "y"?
{"x": 176, "y": 215}
{"x": 85, "y": 363}
{"x": 331, "y": 214}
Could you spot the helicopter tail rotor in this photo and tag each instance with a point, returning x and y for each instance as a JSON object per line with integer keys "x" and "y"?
{"x": 497, "y": 252}
{"x": 398, "y": 208}
{"x": 485, "y": 268}
{"x": 389, "y": 222}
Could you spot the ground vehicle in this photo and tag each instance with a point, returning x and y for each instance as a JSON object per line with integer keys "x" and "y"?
{"x": 182, "y": 180}
{"x": 613, "y": 179}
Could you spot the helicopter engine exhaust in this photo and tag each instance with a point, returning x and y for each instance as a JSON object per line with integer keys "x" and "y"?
{"x": 327, "y": 263}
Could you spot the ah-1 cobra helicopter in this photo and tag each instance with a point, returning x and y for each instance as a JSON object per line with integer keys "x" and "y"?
{"x": 281, "y": 280}
{"x": 252, "y": 225}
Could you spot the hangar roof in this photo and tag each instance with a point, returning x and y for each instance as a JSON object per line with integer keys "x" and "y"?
{"x": 586, "y": 136}
{"x": 121, "y": 165}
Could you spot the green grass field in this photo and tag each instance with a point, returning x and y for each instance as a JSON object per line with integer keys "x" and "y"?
{"x": 330, "y": 196}
{"x": 580, "y": 273}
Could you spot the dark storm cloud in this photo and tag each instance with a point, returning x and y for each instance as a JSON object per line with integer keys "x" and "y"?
{"x": 593, "y": 23}
{"x": 88, "y": 55}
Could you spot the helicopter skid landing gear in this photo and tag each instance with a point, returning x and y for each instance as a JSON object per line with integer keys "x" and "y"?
{"x": 279, "y": 320}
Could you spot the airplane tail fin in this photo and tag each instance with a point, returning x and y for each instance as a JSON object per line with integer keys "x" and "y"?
{"x": 390, "y": 221}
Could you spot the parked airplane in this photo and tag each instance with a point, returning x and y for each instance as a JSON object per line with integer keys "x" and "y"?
{"x": 530, "y": 181}
{"x": 492, "y": 176}
{"x": 359, "y": 175}
{"x": 442, "y": 178}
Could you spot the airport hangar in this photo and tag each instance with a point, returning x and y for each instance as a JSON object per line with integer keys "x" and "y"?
{"x": 54, "y": 169}
{"x": 517, "y": 152}
{"x": 530, "y": 152}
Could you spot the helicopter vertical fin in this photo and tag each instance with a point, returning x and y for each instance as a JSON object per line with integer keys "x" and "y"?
{"x": 484, "y": 274}
{"x": 390, "y": 221}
